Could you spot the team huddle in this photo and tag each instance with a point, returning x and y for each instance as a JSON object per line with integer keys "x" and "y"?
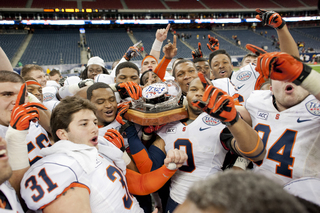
{"x": 68, "y": 145}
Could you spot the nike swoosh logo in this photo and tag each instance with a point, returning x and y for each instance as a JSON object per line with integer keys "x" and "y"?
{"x": 241, "y": 86}
{"x": 300, "y": 121}
{"x": 201, "y": 129}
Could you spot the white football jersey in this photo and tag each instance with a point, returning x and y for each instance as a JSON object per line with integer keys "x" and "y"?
{"x": 201, "y": 141}
{"x": 37, "y": 138}
{"x": 12, "y": 198}
{"x": 116, "y": 125}
{"x": 226, "y": 85}
{"x": 3, "y": 131}
{"x": 291, "y": 137}
{"x": 52, "y": 175}
{"x": 244, "y": 81}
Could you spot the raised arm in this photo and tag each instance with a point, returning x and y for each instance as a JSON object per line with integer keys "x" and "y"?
{"x": 273, "y": 19}
{"x": 161, "y": 35}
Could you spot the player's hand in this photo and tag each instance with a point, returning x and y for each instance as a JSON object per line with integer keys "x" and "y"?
{"x": 197, "y": 53}
{"x": 170, "y": 50}
{"x": 131, "y": 53}
{"x": 213, "y": 43}
{"x": 150, "y": 129}
{"x": 122, "y": 109}
{"x": 218, "y": 104}
{"x": 115, "y": 138}
{"x": 256, "y": 50}
{"x": 205, "y": 82}
{"x": 86, "y": 82}
{"x": 129, "y": 89}
{"x": 283, "y": 67}
{"x": 270, "y": 18}
{"x": 161, "y": 34}
{"x": 22, "y": 113}
{"x": 175, "y": 159}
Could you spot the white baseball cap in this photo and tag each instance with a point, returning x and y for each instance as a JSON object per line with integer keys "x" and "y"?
{"x": 96, "y": 60}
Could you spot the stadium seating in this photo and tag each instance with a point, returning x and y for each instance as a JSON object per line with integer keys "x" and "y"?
{"x": 249, "y": 37}
{"x": 103, "y": 4}
{"x": 230, "y": 4}
{"x": 193, "y": 41}
{"x": 310, "y": 3}
{"x": 47, "y": 47}
{"x": 10, "y": 43}
{"x": 14, "y": 4}
{"x": 185, "y": 4}
{"x": 290, "y": 3}
{"x": 53, "y": 4}
{"x": 313, "y": 31}
{"x": 110, "y": 45}
{"x": 142, "y": 4}
{"x": 258, "y": 4}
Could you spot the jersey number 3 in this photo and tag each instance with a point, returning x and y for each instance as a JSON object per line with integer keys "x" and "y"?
{"x": 281, "y": 150}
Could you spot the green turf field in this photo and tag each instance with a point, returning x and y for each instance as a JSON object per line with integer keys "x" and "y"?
{"x": 316, "y": 67}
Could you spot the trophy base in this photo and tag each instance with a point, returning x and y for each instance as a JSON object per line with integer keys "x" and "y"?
{"x": 154, "y": 119}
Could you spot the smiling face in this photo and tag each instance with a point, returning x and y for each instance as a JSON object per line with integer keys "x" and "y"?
{"x": 94, "y": 70}
{"x": 184, "y": 74}
{"x": 106, "y": 103}
{"x": 8, "y": 96}
{"x": 287, "y": 94}
{"x": 83, "y": 129}
{"x": 221, "y": 66}
{"x": 5, "y": 168}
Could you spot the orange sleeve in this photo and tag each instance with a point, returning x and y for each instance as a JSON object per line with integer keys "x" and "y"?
{"x": 142, "y": 161}
{"x": 161, "y": 68}
{"x": 144, "y": 184}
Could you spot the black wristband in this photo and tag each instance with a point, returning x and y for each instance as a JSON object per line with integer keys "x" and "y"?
{"x": 281, "y": 25}
{"x": 304, "y": 74}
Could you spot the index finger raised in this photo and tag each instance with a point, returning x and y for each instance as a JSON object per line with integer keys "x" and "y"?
{"x": 167, "y": 28}
{"x": 21, "y": 95}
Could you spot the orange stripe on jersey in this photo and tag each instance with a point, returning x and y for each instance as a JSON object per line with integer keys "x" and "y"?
{"x": 235, "y": 99}
{"x": 142, "y": 161}
{"x": 144, "y": 184}
{"x": 3, "y": 204}
{"x": 66, "y": 189}
{"x": 252, "y": 151}
{"x": 161, "y": 68}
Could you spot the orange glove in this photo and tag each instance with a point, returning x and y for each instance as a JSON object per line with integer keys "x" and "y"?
{"x": 218, "y": 104}
{"x": 122, "y": 109}
{"x": 131, "y": 53}
{"x": 151, "y": 129}
{"x": 213, "y": 43}
{"x": 270, "y": 18}
{"x": 282, "y": 67}
{"x": 130, "y": 88}
{"x": 22, "y": 113}
{"x": 256, "y": 50}
{"x": 197, "y": 53}
{"x": 115, "y": 138}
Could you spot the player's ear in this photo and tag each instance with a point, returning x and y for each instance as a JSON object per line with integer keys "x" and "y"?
{"x": 62, "y": 134}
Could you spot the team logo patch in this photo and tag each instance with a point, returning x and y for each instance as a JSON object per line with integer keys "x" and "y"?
{"x": 243, "y": 76}
{"x": 210, "y": 120}
{"x": 262, "y": 115}
{"x": 48, "y": 97}
{"x": 313, "y": 107}
{"x": 171, "y": 130}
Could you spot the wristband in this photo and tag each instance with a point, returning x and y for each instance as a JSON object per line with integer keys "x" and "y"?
{"x": 241, "y": 163}
{"x": 311, "y": 83}
{"x": 157, "y": 45}
{"x": 126, "y": 158}
{"x": 304, "y": 74}
{"x": 17, "y": 148}
{"x": 233, "y": 121}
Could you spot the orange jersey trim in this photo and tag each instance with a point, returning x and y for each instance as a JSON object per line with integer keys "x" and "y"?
{"x": 161, "y": 68}
{"x": 66, "y": 189}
